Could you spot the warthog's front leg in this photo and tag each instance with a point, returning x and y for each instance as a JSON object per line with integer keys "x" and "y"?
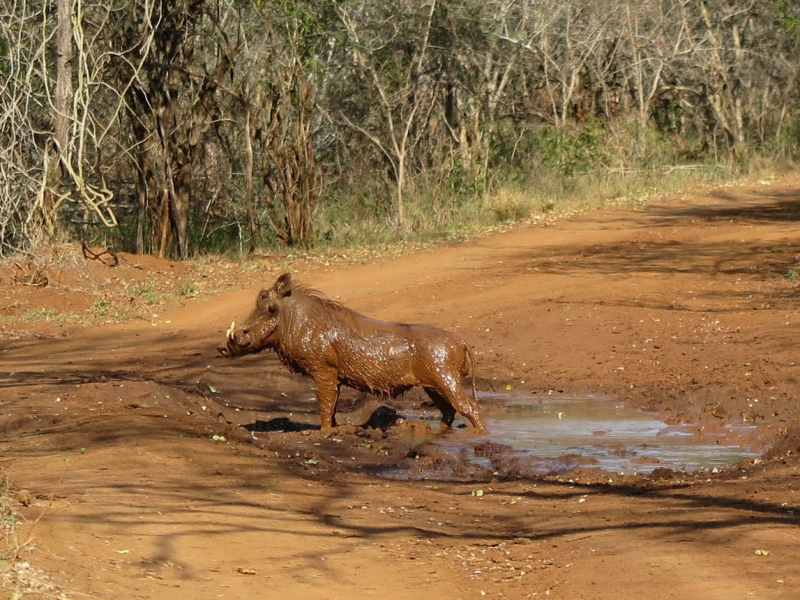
{"x": 327, "y": 398}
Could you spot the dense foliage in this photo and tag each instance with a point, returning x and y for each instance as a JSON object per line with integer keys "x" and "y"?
{"x": 178, "y": 126}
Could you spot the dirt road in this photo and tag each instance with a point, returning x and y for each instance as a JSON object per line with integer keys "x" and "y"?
{"x": 144, "y": 485}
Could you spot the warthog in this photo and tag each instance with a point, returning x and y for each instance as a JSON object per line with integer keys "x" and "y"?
{"x": 336, "y": 346}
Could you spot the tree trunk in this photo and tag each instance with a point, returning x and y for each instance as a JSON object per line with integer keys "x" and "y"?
{"x": 402, "y": 226}
{"x": 248, "y": 178}
{"x": 63, "y": 92}
{"x": 163, "y": 243}
{"x": 180, "y": 196}
{"x": 62, "y": 98}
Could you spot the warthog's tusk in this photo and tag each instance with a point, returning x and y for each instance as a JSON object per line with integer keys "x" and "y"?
{"x": 229, "y": 333}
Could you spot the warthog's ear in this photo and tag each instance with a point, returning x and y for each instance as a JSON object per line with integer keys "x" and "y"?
{"x": 283, "y": 286}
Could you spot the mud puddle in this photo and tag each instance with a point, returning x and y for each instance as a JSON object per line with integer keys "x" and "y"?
{"x": 545, "y": 435}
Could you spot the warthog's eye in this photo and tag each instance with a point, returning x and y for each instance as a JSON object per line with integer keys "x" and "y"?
{"x": 273, "y": 307}
{"x": 264, "y": 295}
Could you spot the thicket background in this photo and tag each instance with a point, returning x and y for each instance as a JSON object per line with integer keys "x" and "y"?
{"x": 176, "y": 127}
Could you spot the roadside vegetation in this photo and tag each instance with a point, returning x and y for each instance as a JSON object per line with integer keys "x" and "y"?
{"x": 18, "y": 578}
{"x": 182, "y": 128}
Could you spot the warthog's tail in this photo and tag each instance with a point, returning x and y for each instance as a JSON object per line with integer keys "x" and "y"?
{"x": 474, "y": 414}
{"x": 474, "y": 373}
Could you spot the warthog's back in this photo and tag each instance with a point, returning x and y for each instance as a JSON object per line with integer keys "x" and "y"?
{"x": 392, "y": 357}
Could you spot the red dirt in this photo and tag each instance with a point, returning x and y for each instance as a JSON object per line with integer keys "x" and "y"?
{"x": 689, "y": 307}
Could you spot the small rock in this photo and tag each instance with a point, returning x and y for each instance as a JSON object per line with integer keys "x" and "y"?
{"x": 24, "y": 497}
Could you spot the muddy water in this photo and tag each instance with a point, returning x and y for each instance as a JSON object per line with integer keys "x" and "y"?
{"x": 546, "y": 435}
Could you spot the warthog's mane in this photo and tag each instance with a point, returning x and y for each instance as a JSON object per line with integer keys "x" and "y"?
{"x": 326, "y": 303}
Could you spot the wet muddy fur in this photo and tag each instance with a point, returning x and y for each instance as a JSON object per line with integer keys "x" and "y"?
{"x": 336, "y": 346}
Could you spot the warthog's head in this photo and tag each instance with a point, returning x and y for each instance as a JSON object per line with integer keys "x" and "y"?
{"x": 260, "y": 329}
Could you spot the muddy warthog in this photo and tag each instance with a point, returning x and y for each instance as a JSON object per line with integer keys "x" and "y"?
{"x": 336, "y": 346}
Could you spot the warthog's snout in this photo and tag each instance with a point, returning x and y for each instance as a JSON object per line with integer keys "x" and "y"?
{"x": 236, "y": 342}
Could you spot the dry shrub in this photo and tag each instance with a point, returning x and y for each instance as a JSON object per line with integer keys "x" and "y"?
{"x": 18, "y": 578}
{"x": 40, "y": 267}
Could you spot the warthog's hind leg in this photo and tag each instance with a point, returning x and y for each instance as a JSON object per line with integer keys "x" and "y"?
{"x": 444, "y": 405}
{"x": 449, "y": 401}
